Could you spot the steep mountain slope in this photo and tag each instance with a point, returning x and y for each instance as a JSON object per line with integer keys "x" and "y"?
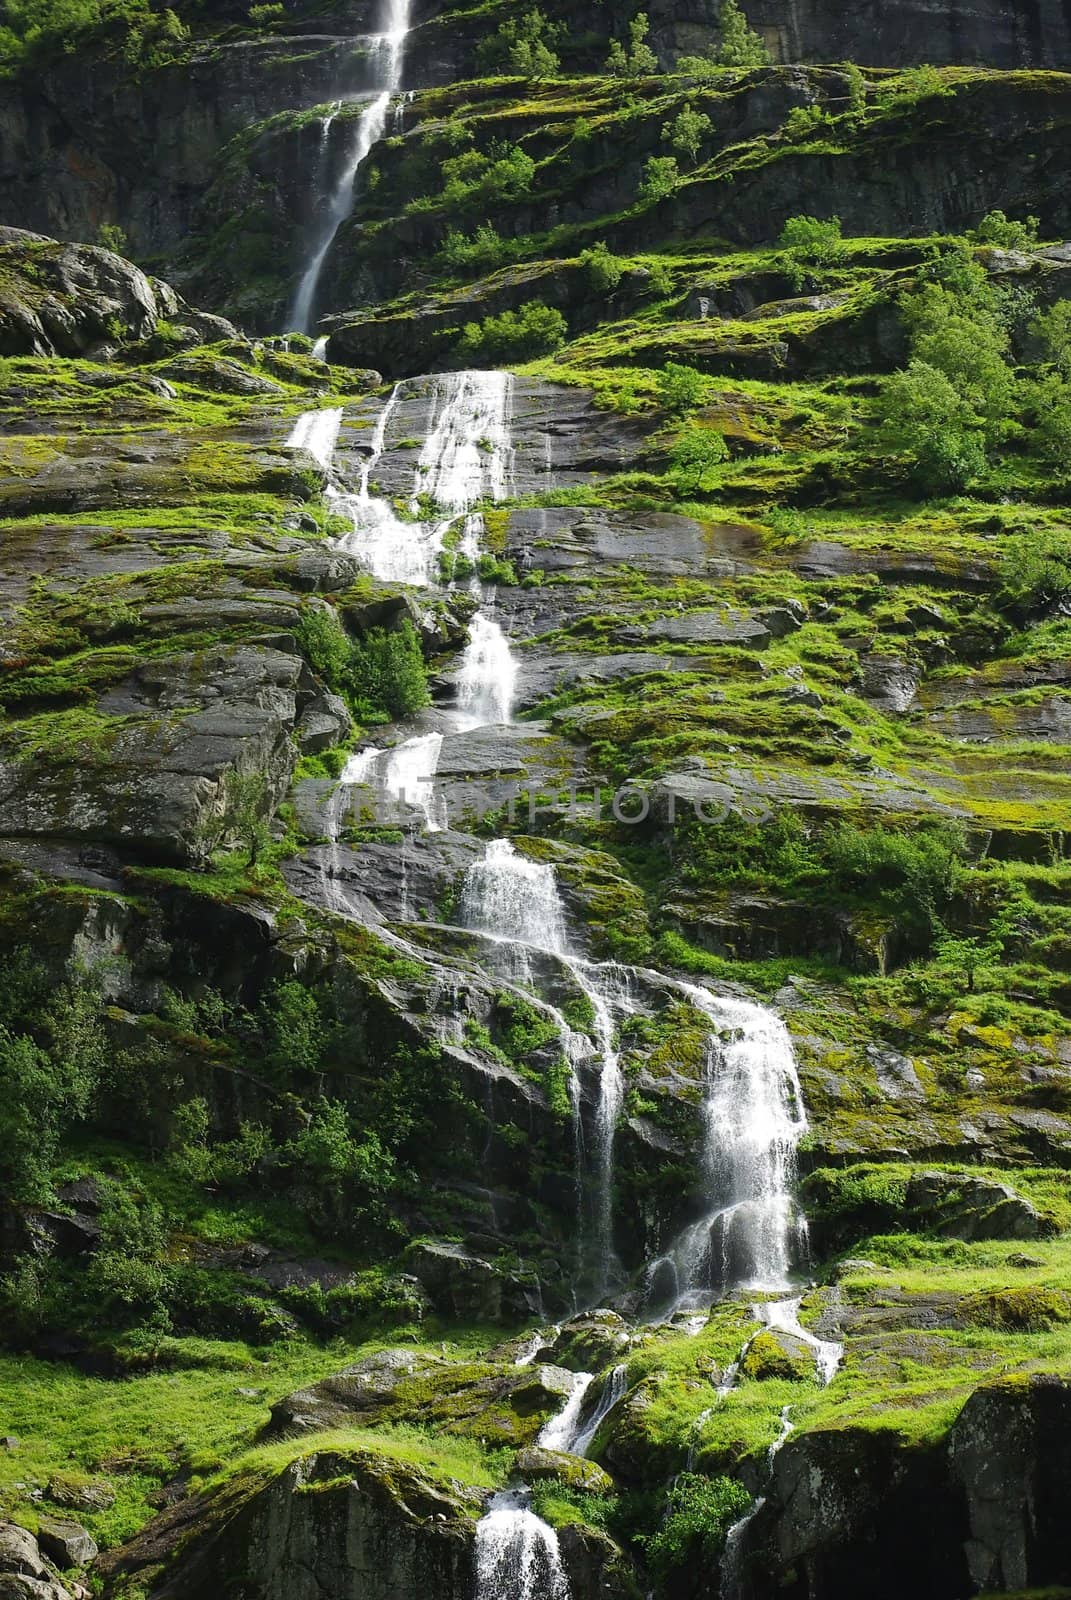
{"x": 534, "y": 1016}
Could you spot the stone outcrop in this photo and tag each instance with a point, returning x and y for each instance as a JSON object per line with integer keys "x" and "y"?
{"x": 78, "y": 299}
{"x": 986, "y": 1507}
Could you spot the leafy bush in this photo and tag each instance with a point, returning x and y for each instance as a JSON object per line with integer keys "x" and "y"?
{"x": 921, "y": 416}
{"x": 636, "y": 59}
{"x": 382, "y": 676}
{"x": 997, "y": 229}
{"x": 53, "y": 1054}
{"x": 386, "y": 674}
{"x": 535, "y": 330}
{"x": 604, "y": 270}
{"x": 699, "y": 1513}
{"x": 661, "y": 176}
{"x": 810, "y": 242}
{"x": 483, "y": 251}
{"x": 504, "y": 172}
{"x": 680, "y": 389}
{"x": 523, "y": 45}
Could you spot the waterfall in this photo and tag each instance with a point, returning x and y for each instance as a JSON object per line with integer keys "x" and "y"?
{"x": 388, "y": 49}
{"x": 517, "y": 1554}
{"x": 784, "y": 1315}
{"x": 317, "y": 432}
{"x": 466, "y": 457}
{"x": 560, "y": 1432}
{"x": 517, "y": 903}
{"x": 753, "y": 1119}
{"x": 488, "y": 675}
{"x": 613, "y": 1390}
{"x": 403, "y": 775}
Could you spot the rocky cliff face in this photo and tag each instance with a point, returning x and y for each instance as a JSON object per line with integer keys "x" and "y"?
{"x": 534, "y": 952}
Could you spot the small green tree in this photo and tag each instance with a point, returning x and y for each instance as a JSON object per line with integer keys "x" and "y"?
{"x": 696, "y": 454}
{"x": 810, "y": 243}
{"x": 687, "y": 132}
{"x": 680, "y": 389}
{"x": 922, "y": 417}
{"x": 661, "y": 177}
{"x": 997, "y": 229}
{"x": 1053, "y": 332}
{"x": 525, "y": 46}
{"x": 292, "y": 1028}
{"x": 604, "y": 270}
{"x": 247, "y": 801}
{"x": 740, "y": 45}
{"x": 969, "y": 344}
{"x": 637, "y": 59}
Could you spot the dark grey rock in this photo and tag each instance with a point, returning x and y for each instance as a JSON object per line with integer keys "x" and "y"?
{"x": 67, "y": 1544}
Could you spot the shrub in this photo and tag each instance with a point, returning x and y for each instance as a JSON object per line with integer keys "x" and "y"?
{"x": 523, "y": 45}
{"x": 699, "y": 1513}
{"x": 535, "y": 330}
{"x": 324, "y": 645}
{"x": 1053, "y": 332}
{"x": 637, "y": 59}
{"x": 810, "y": 242}
{"x": 386, "y": 673}
{"x": 111, "y": 237}
{"x": 921, "y": 417}
{"x": 680, "y": 388}
{"x": 485, "y": 250}
{"x": 687, "y": 132}
{"x": 661, "y": 176}
{"x": 604, "y": 270}
{"x": 997, "y": 229}
{"x": 694, "y": 457}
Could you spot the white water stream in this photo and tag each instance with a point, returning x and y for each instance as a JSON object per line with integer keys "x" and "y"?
{"x": 753, "y": 1120}
{"x": 517, "y": 1554}
{"x": 517, "y": 903}
{"x": 388, "y": 50}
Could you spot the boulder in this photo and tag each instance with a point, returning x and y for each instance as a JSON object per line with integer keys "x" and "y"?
{"x": 535, "y": 1463}
{"x": 464, "y": 1285}
{"x": 1010, "y": 1453}
{"x": 590, "y": 1342}
{"x": 66, "y": 1543}
{"x": 24, "y": 1572}
{"x": 503, "y": 1405}
{"x": 967, "y": 1207}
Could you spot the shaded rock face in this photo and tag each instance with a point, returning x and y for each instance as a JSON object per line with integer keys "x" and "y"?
{"x": 73, "y": 299}
{"x": 353, "y": 1526}
{"x": 987, "y": 1509}
{"x": 1025, "y": 33}
{"x": 162, "y": 791}
{"x": 25, "y": 1574}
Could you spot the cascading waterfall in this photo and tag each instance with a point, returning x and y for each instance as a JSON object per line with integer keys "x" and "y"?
{"x": 388, "y": 48}
{"x": 753, "y": 1119}
{"x": 317, "y": 432}
{"x": 403, "y": 775}
{"x": 613, "y": 1390}
{"x": 517, "y": 903}
{"x": 488, "y": 676}
{"x": 517, "y": 1554}
{"x": 562, "y": 1431}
